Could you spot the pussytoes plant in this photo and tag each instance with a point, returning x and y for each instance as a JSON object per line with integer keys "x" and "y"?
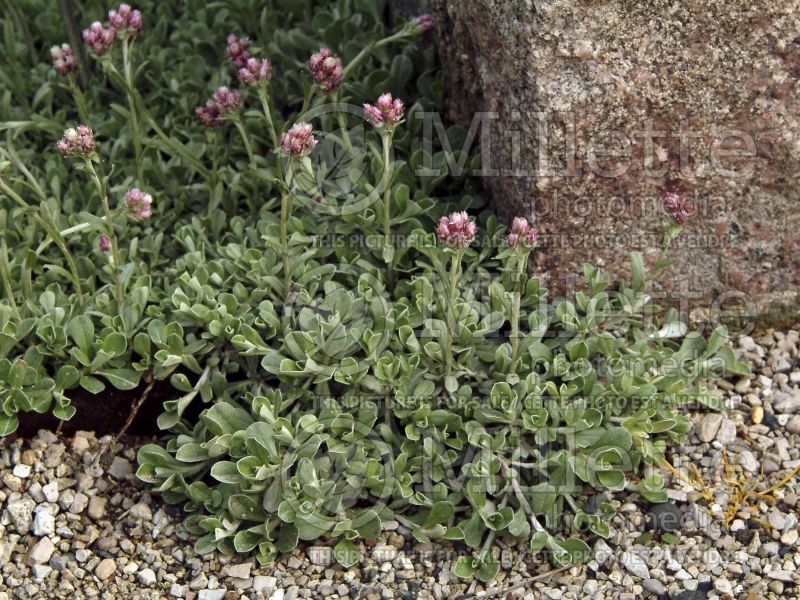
{"x": 341, "y": 342}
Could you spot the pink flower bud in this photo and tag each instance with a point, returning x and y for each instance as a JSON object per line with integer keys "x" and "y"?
{"x": 299, "y": 140}
{"x": 64, "y": 59}
{"x": 327, "y": 69}
{"x": 237, "y": 50}
{"x": 457, "y": 230}
{"x": 99, "y": 38}
{"x": 138, "y": 204}
{"x": 104, "y": 243}
{"x": 209, "y": 115}
{"x": 255, "y": 73}
{"x": 679, "y": 207}
{"x": 228, "y": 100}
{"x": 78, "y": 142}
{"x": 522, "y": 233}
{"x": 425, "y": 23}
{"x": 386, "y": 112}
{"x": 125, "y": 21}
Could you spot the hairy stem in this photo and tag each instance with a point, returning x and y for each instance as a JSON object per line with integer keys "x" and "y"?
{"x": 80, "y": 100}
{"x": 112, "y": 236}
{"x": 273, "y": 136}
{"x": 286, "y": 207}
{"x": 137, "y": 134}
{"x": 455, "y": 268}
{"x": 52, "y": 231}
{"x": 371, "y": 47}
{"x": 5, "y": 274}
{"x": 387, "y": 201}
{"x": 522, "y": 262}
{"x": 307, "y": 98}
{"x": 246, "y": 139}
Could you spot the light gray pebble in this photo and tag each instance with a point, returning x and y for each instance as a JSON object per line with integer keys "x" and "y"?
{"x": 44, "y": 523}
{"x": 21, "y": 514}
{"x": 146, "y": 577}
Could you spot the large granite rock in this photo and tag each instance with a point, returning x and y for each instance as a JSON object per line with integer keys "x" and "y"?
{"x": 676, "y": 87}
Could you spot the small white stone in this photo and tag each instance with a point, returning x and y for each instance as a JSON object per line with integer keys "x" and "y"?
{"x": 264, "y": 584}
{"x": 212, "y": 594}
{"x": 737, "y": 525}
{"x": 120, "y": 468}
{"x": 781, "y": 575}
{"x": 44, "y": 523}
{"x": 708, "y": 427}
{"x": 635, "y": 565}
{"x": 146, "y": 577}
{"x": 748, "y": 461}
{"x": 240, "y": 571}
{"x": 21, "y": 514}
{"x": 790, "y": 537}
{"x": 22, "y": 471}
{"x": 141, "y": 511}
{"x": 130, "y": 568}
{"x": 723, "y": 586}
{"x": 41, "y": 571}
{"x": 50, "y": 492}
{"x": 105, "y": 568}
{"x": 41, "y": 552}
{"x": 727, "y": 432}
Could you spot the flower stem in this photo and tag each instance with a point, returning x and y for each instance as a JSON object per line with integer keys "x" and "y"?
{"x": 455, "y": 268}
{"x": 5, "y": 274}
{"x": 111, "y": 234}
{"x": 387, "y": 200}
{"x": 369, "y": 48}
{"x": 522, "y": 261}
{"x": 308, "y": 97}
{"x": 262, "y": 94}
{"x": 251, "y": 157}
{"x": 137, "y": 134}
{"x": 52, "y": 231}
{"x": 80, "y": 100}
{"x": 212, "y": 178}
{"x": 286, "y": 207}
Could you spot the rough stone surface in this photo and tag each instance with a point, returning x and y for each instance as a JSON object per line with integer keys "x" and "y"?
{"x": 706, "y": 67}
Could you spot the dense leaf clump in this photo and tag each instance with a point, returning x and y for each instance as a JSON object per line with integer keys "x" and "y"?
{"x": 346, "y": 347}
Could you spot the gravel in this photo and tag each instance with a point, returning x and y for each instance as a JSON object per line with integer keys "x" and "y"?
{"x": 75, "y": 527}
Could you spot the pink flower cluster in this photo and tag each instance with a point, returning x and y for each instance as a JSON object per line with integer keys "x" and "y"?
{"x": 457, "y": 230}
{"x": 126, "y": 21}
{"x": 228, "y": 100}
{"x": 122, "y": 21}
{"x": 522, "y": 234}
{"x": 327, "y": 69}
{"x": 209, "y": 115}
{"x": 138, "y": 204}
{"x": 679, "y": 207}
{"x": 104, "y": 244}
{"x": 99, "y": 38}
{"x": 255, "y": 73}
{"x": 299, "y": 140}
{"x": 64, "y": 59}
{"x": 386, "y": 112}
{"x": 78, "y": 142}
{"x": 224, "y": 102}
{"x": 238, "y": 50}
